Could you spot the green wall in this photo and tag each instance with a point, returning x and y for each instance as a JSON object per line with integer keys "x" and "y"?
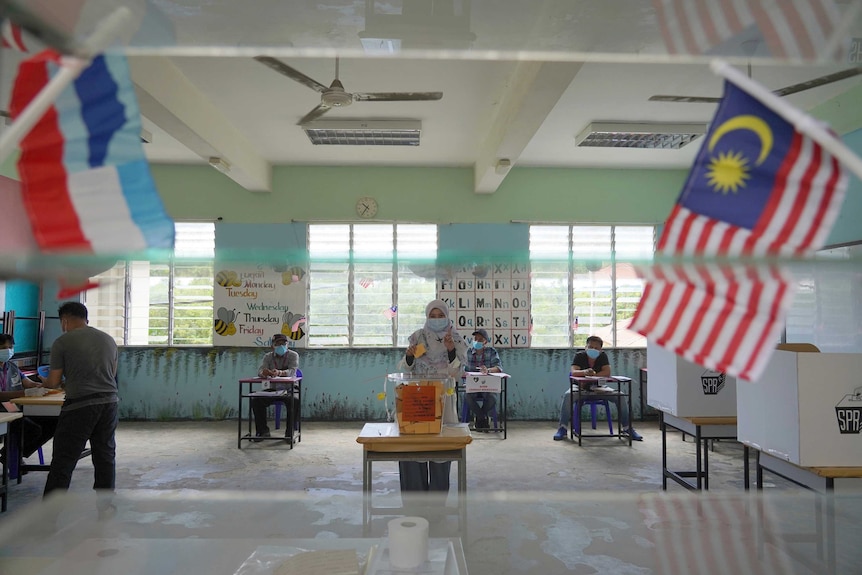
{"x": 423, "y": 195}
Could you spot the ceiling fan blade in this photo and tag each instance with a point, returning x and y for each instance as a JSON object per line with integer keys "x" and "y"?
{"x": 320, "y": 110}
{"x": 291, "y": 73}
{"x": 396, "y": 96}
{"x": 685, "y": 99}
{"x": 821, "y": 81}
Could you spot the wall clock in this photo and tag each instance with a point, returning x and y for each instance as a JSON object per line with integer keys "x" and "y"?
{"x": 366, "y": 207}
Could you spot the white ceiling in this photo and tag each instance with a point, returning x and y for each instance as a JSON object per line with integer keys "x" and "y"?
{"x": 519, "y": 80}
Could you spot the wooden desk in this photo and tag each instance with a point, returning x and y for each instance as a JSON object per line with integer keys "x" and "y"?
{"x": 296, "y": 435}
{"x": 702, "y": 429}
{"x": 5, "y": 420}
{"x": 383, "y": 442}
{"x": 822, "y": 481}
{"x": 501, "y": 380}
{"x": 46, "y": 406}
{"x": 579, "y": 383}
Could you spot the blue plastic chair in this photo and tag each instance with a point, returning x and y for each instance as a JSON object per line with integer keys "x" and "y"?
{"x": 592, "y": 402}
{"x": 279, "y": 405}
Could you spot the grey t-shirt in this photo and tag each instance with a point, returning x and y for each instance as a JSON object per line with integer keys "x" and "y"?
{"x": 88, "y": 358}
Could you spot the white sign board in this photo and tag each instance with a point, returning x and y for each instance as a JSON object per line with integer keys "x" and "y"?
{"x": 476, "y": 382}
{"x": 253, "y": 302}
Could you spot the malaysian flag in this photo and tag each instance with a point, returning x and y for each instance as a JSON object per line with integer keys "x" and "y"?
{"x": 757, "y": 188}
{"x": 391, "y": 312}
{"x": 366, "y": 282}
{"x": 14, "y": 37}
{"x": 86, "y": 183}
{"x": 798, "y": 29}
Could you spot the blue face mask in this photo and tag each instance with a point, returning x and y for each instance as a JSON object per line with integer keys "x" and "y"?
{"x": 593, "y": 353}
{"x": 478, "y": 345}
{"x": 6, "y": 354}
{"x": 437, "y": 323}
{"x": 280, "y": 349}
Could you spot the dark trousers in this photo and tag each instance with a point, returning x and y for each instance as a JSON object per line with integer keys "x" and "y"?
{"x": 430, "y": 476}
{"x": 258, "y": 408}
{"x": 96, "y": 424}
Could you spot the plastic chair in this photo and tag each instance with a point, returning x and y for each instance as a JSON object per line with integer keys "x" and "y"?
{"x": 465, "y": 413}
{"x": 279, "y": 405}
{"x": 592, "y": 402}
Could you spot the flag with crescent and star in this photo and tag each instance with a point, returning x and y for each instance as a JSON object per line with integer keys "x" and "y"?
{"x": 758, "y": 188}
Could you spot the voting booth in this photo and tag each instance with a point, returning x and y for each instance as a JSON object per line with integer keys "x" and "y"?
{"x": 685, "y": 389}
{"x": 806, "y": 408}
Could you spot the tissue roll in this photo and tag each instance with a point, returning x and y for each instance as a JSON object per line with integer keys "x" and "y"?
{"x": 408, "y": 542}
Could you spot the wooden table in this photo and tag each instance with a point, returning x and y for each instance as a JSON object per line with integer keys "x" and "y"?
{"x": 46, "y": 406}
{"x": 702, "y": 429}
{"x": 5, "y": 420}
{"x": 296, "y": 432}
{"x": 822, "y": 481}
{"x": 383, "y": 442}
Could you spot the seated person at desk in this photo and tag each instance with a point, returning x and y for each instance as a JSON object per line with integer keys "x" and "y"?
{"x": 592, "y": 362}
{"x": 37, "y": 431}
{"x": 482, "y": 358}
{"x": 437, "y": 349}
{"x": 278, "y": 362}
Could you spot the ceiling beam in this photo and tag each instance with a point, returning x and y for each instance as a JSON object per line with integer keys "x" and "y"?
{"x": 530, "y": 92}
{"x": 170, "y": 100}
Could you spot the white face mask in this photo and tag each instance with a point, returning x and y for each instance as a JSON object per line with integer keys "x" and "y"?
{"x": 6, "y": 354}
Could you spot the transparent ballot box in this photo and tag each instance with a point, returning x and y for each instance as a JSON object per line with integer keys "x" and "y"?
{"x": 419, "y": 401}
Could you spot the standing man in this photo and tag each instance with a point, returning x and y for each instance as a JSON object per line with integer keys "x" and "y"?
{"x": 87, "y": 358}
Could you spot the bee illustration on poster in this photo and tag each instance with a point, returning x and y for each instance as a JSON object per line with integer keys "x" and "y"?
{"x": 253, "y": 302}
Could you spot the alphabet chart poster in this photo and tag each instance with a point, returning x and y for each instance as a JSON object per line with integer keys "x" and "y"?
{"x": 495, "y": 297}
{"x": 253, "y": 302}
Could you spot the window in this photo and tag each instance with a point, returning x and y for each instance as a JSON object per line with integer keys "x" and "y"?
{"x": 160, "y": 302}
{"x": 583, "y": 283}
{"x": 358, "y": 272}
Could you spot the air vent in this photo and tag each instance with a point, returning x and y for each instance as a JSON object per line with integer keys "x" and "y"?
{"x": 638, "y": 135}
{"x": 363, "y": 132}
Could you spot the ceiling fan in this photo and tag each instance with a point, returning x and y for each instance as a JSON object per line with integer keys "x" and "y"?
{"x": 335, "y": 96}
{"x": 793, "y": 89}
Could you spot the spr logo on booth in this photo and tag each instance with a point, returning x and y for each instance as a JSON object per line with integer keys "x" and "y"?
{"x": 849, "y": 412}
{"x": 712, "y": 381}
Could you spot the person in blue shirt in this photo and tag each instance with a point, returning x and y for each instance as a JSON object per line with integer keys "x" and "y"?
{"x": 592, "y": 362}
{"x": 482, "y": 358}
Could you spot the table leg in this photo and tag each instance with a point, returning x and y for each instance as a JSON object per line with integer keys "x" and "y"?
{"x": 758, "y": 471}
{"x": 462, "y": 494}
{"x": 745, "y": 473}
{"x": 366, "y": 493}
{"x": 505, "y": 408}
{"x": 697, "y": 457}
{"x": 239, "y": 420}
{"x": 4, "y": 474}
{"x": 830, "y": 526}
{"x": 663, "y": 429}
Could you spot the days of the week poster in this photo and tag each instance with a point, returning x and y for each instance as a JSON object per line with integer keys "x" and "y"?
{"x": 495, "y": 297}
{"x": 253, "y": 302}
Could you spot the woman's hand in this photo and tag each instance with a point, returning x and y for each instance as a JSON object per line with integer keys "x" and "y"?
{"x": 448, "y": 341}
{"x": 411, "y": 351}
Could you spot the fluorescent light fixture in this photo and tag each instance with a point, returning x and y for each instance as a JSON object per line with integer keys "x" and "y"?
{"x": 638, "y": 135}
{"x": 220, "y": 164}
{"x": 364, "y": 132}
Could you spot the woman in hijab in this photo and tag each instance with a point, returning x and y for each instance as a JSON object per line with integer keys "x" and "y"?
{"x": 435, "y": 349}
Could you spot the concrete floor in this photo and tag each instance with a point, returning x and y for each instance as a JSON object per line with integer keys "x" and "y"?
{"x": 536, "y": 505}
